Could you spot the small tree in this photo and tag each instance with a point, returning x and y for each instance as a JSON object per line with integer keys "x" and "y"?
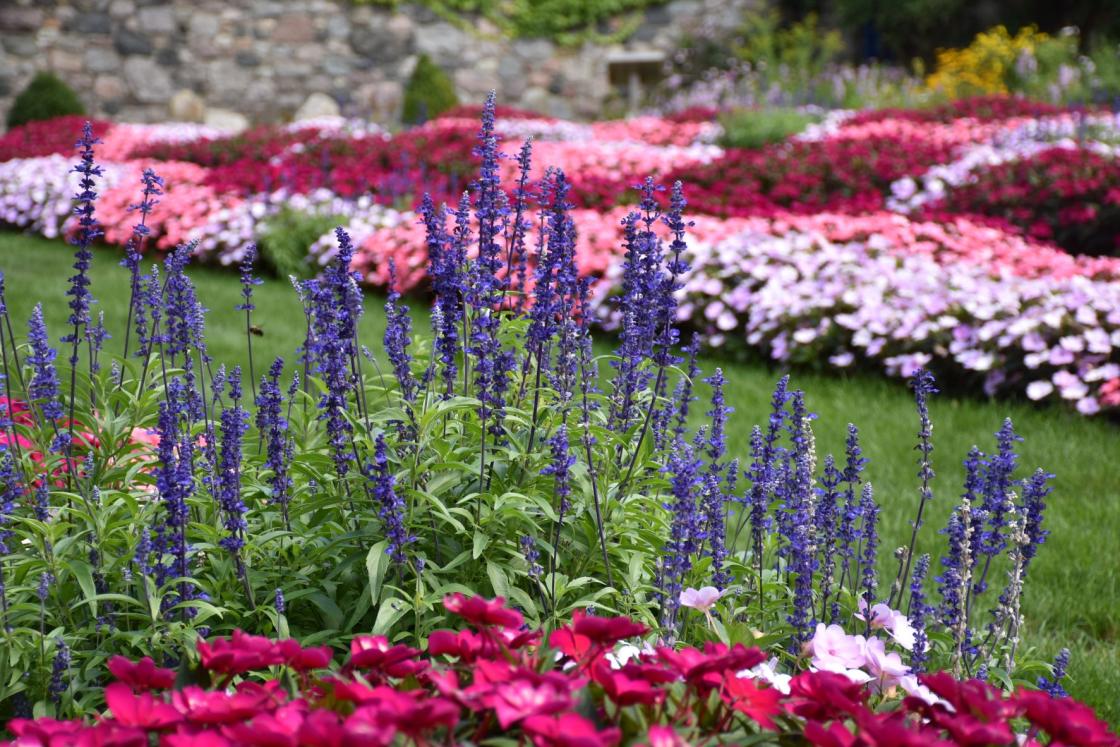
{"x": 45, "y": 97}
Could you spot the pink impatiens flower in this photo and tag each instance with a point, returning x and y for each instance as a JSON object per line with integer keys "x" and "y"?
{"x": 833, "y": 650}
{"x": 894, "y": 622}
{"x": 886, "y": 668}
{"x": 702, "y": 599}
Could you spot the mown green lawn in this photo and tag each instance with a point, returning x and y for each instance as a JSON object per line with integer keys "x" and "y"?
{"x": 1073, "y": 593}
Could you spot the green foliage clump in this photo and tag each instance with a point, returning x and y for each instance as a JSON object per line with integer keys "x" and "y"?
{"x": 288, "y": 235}
{"x": 565, "y": 21}
{"x": 754, "y": 128}
{"x": 429, "y": 92}
{"x": 45, "y": 97}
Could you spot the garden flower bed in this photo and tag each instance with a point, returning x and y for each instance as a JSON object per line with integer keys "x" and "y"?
{"x": 930, "y": 198}
{"x": 156, "y": 502}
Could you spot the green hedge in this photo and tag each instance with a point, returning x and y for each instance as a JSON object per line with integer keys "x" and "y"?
{"x": 45, "y": 97}
{"x": 429, "y": 92}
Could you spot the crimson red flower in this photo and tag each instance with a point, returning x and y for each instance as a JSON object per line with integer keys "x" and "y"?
{"x": 193, "y": 736}
{"x": 374, "y": 653}
{"x": 820, "y": 696}
{"x": 280, "y": 728}
{"x": 704, "y": 670}
{"x": 623, "y": 689}
{"x": 665, "y": 736}
{"x": 142, "y": 710}
{"x": 569, "y": 730}
{"x": 578, "y": 648}
{"x": 833, "y": 735}
{"x": 323, "y": 728}
{"x": 216, "y": 707}
{"x": 304, "y": 659}
{"x": 606, "y": 631}
{"x": 482, "y": 612}
{"x": 757, "y": 702}
{"x": 239, "y": 654}
{"x": 521, "y": 698}
{"x": 466, "y": 644}
{"x": 1066, "y": 721}
{"x": 141, "y": 675}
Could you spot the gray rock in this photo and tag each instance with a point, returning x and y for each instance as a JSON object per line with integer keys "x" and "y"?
{"x": 338, "y": 26}
{"x": 317, "y": 105}
{"x": 20, "y": 45}
{"x": 334, "y": 64}
{"x": 168, "y": 57}
{"x": 157, "y": 19}
{"x": 294, "y": 28}
{"x": 204, "y": 25}
{"x": 382, "y": 43}
{"x": 101, "y": 60}
{"x": 13, "y": 18}
{"x": 444, "y": 43}
{"x": 92, "y": 23}
{"x": 247, "y": 58}
{"x": 225, "y": 119}
{"x": 122, "y": 8}
{"x": 129, "y": 42}
{"x": 109, "y": 88}
{"x": 149, "y": 83}
{"x": 187, "y": 106}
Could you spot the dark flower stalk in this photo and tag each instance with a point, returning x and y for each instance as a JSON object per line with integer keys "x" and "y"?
{"x": 43, "y": 388}
{"x": 923, "y": 386}
{"x": 825, "y": 521}
{"x": 870, "y": 538}
{"x": 1053, "y": 683}
{"x": 273, "y": 426}
{"x": 398, "y": 336}
{"x": 1035, "y": 490}
{"x": 848, "y": 530}
{"x": 390, "y": 506}
{"x": 133, "y": 251}
{"x": 59, "y": 671}
{"x": 80, "y": 297}
{"x": 560, "y": 468}
{"x": 445, "y": 262}
{"x": 247, "y": 283}
{"x": 918, "y": 612}
{"x": 684, "y": 528}
{"x": 234, "y": 424}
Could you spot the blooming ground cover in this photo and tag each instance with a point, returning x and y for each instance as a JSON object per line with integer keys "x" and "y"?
{"x": 502, "y": 458}
{"x": 1019, "y": 287}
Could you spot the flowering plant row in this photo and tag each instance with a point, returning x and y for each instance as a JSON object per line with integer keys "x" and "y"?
{"x": 159, "y": 497}
{"x": 584, "y": 685}
{"x": 1033, "y": 337}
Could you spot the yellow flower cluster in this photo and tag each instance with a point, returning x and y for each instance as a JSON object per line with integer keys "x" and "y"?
{"x": 987, "y": 65}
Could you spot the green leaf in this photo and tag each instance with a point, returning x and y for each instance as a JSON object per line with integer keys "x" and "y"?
{"x": 388, "y": 614}
{"x": 377, "y": 562}
{"x": 498, "y": 579}
{"x": 480, "y": 543}
{"x": 84, "y": 574}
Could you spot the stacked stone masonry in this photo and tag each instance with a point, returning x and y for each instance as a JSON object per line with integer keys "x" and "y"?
{"x": 228, "y": 61}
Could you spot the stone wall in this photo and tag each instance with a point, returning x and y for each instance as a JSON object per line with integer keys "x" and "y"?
{"x": 264, "y": 59}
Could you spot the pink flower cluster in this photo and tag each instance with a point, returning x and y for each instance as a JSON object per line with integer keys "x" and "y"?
{"x": 496, "y": 679}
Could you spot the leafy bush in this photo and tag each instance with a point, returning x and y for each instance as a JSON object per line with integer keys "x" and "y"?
{"x": 287, "y": 237}
{"x": 587, "y": 684}
{"x": 45, "y": 97}
{"x": 754, "y": 128}
{"x": 164, "y": 497}
{"x": 429, "y": 92}
{"x": 565, "y": 21}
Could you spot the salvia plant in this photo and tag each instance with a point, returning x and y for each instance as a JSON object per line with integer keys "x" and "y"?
{"x": 163, "y": 499}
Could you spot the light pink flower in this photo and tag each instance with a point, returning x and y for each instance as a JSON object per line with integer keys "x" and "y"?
{"x": 886, "y": 668}
{"x": 833, "y": 650}
{"x": 700, "y": 599}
